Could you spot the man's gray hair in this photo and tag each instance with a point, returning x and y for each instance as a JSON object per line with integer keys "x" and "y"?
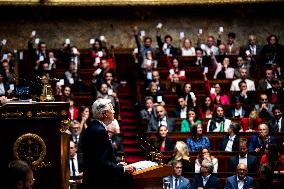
{"x": 207, "y": 163}
{"x": 99, "y": 107}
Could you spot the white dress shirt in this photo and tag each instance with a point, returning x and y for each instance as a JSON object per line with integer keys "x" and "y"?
{"x": 229, "y": 146}
{"x": 75, "y": 160}
{"x": 244, "y": 159}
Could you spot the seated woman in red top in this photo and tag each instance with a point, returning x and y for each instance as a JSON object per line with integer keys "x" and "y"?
{"x": 175, "y": 68}
{"x": 216, "y": 92}
{"x": 250, "y": 124}
{"x": 207, "y": 108}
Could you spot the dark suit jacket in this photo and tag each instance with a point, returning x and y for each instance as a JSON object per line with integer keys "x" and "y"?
{"x": 225, "y": 140}
{"x": 231, "y": 112}
{"x": 183, "y": 183}
{"x": 252, "y": 163}
{"x": 272, "y": 128}
{"x": 213, "y": 182}
{"x": 100, "y": 166}
{"x": 256, "y": 142}
{"x": 232, "y": 183}
{"x": 80, "y": 162}
{"x": 153, "y": 124}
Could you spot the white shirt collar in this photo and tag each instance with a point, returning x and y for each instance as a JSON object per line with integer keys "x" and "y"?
{"x": 103, "y": 124}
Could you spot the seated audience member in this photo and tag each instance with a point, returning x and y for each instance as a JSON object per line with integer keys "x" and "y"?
{"x": 147, "y": 111}
{"x": 205, "y": 179}
{"x": 97, "y": 52}
{"x": 204, "y": 154}
{"x": 208, "y": 48}
{"x": 104, "y": 93}
{"x": 266, "y": 175}
{"x": 175, "y": 68}
{"x": 264, "y": 108}
{"x": 76, "y": 134}
{"x": 143, "y": 43}
{"x": 114, "y": 126}
{"x": 162, "y": 142}
{"x": 230, "y": 141}
{"x": 84, "y": 117}
{"x": 207, "y": 108}
{"x": 242, "y": 64}
{"x": 277, "y": 71}
{"x": 247, "y": 97}
{"x": 176, "y": 180}
{"x": 115, "y": 140}
{"x": 241, "y": 179}
{"x": 216, "y": 93}
{"x": 73, "y": 110}
{"x": 276, "y": 93}
{"x": 218, "y": 123}
{"x": 66, "y": 94}
{"x": 201, "y": 61}
{"x": 259, "y": 142}
{"x": 237, "y": 110}
{"x": 175, "y": 85}
{"x": 153, "y": 92}
{"x": 156, "y": 79}
{"x": 232, "y": 47}
{"x": 111, "y": 83}
{"x": 251, "y": 123}
{"x": 181, "y": 153}
{"x": 223, "y": 71}
{"x": 265, "y": 83}
{"x": 189, "y": 95}
{"x": 191, "y": 120}
{"x": 182, "y": 109}
{"x": 161, "y": 119}
{"x": 19, "y": 175}
{"x": 276, "y": 124}
{"x": 4, "y": 86}
{"x": 273, "y": 158}
{"x": 75, "y": 161}
{"x": 271, "y": 52}
{"x": 167, "y": 47}
{"x": 244, "y": 157}
{"x": 243, "y": 77}
{"x": 252, "y": 46}
{"x": 186, "y": 48}
{"x": 148, "y": 64}
{"x": 197, "y": 141}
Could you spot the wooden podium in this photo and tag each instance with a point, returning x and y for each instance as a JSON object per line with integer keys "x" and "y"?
{"x": 151, "y": 177}
{"x": 36, "y": 132}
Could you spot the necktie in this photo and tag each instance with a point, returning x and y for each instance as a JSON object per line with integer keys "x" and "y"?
{"x": 222, "y": 126}
{"x": 276, "y": 125}
{"x": 73, "y": 167}
{"x": 176, "y": 183}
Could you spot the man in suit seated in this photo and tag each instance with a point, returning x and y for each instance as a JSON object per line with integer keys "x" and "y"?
{"x": 205, "y": 179}
{"x": 75, "y": 165}
{"x": 161, "y": 119}
{"x": 176, "y": 180}
{"x": 276, "y": 124}
{"x": 240, "y": 180}
{"x": 244, "y": 157}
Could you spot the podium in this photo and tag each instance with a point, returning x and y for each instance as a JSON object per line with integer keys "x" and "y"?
{"x": 36, "y": 132}
{"x": 151, "y": 177}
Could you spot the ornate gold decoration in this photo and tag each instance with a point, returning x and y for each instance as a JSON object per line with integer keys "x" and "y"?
{"x": 64, "y": 125}
{"x": 12, "y": 114}
{"x": 46, "y": 113}
{"x": 31, "y": 148}
{"x": 29, "y": 113}
{"x": 46, "y": 95}
{"x": 128, "y": 2}
{"x": 63, "y": 112}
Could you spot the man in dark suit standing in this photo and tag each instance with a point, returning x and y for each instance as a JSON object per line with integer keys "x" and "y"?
{"x": 206, "y": 179}
{"x": 240, "y": 180}
{"x": 176, "y": 180}
{"x": 244, "y": 157}
{"x": 162, "y": 119}
{"x": 101, "y": 169}
{"x": 75, "y": 166}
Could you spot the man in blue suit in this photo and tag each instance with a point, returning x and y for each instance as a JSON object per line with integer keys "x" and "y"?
{"x": 176, "y": 180}
{"x": 240, "y": 180}
{"x": 206, "y": 179}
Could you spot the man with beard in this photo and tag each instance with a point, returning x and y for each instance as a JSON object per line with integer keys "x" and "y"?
{"x": 276, "y": 124}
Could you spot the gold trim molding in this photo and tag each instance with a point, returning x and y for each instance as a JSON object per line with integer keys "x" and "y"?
{"x": 127, "y": 2}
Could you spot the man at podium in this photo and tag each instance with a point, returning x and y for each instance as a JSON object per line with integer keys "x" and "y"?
{"x": 101, "y": 169}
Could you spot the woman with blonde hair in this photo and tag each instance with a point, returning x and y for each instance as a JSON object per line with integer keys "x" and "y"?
{"x": 181, "y": 153}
